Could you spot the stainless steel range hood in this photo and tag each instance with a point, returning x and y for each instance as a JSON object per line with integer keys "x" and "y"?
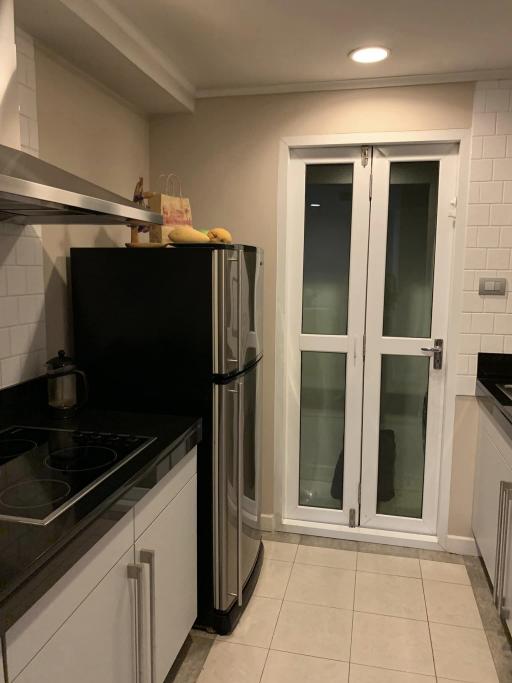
{"x": 34, "y": 192}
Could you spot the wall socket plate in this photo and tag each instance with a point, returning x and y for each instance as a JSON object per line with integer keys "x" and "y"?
{"x": 492, "y": 286}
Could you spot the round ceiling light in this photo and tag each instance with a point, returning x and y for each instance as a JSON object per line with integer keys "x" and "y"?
{"x": 369, "y": 55}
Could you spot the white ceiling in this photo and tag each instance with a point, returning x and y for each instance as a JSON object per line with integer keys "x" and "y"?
{"x": 244, "y": 43}
{"x": 160, "y": 54}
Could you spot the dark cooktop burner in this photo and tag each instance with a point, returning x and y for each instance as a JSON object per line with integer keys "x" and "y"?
{"x": 81, "y": 458}
{"x": 43, "y": 471}
{"x": 34, "y": 493}
{"x": 10, "y": 448}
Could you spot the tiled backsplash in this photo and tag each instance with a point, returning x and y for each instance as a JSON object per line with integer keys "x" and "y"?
{"x": 22, "y": 324}
{"x": 487, "y": 320}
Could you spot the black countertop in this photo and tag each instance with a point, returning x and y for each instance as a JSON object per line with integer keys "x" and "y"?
{"x": 495, "y": 369}
{"x": 33, "y": 558}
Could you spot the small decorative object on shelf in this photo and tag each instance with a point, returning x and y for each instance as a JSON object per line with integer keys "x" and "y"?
{"x": 138, "y": 197}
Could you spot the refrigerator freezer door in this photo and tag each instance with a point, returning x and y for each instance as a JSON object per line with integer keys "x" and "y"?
{"x": 251, "y": 306}
{"x": 226, "y": 477}
{"x": 226, "y": 303}
{"x": 250, "y": 428}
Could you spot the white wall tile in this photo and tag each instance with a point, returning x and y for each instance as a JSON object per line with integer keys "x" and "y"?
{"x": 477, "y": 146}
{"x": 503, "y": 123}
{"x": 484, "y": 123}
{"x": 507, "y": 345}
{"x": 498, "y": 258}
{"x": 466, "y": 385}
{"x": 503, "y": 323}
{"x": 509, "y": 146}
{"x": 465, "y": 322}
{"x": 472, "y": 302}
{"x": 5, "y": 342}
{"x": 10, "y": 371}
{"x": 488, "y": 237}
{"x": 494, "y": 146}
{"x": 22, "y": 321}
{"x": 469, "y": 343}
{"x": 490, "y": 192}
{"x": 462, "y": 364}
{"x": 502, "y": 169}
{"x": 495, "y": 304}
{"x": 501, "y": 214}
{"x": 507, "y": 192}
{"x": 481, "y": 169}
{"x": 474, "y": 193}
{"x": 16, "y": 280}
{"x": 478, "y": 214}
{"x": 475, "y": 258}
{"x": 482, "y": 323}
{"x": 497, "y": 100}
{"x": 9, "y": 312}
{"x": 506, "y": 236}
{"x": 491, "y": 343}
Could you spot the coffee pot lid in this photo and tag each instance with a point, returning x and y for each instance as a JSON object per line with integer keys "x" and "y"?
{"x": 60, "y": 363}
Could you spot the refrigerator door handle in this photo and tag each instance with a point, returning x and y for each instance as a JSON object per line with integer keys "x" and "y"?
{"x": 240, "y": 460}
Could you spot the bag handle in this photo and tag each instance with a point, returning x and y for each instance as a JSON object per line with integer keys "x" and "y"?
{"x": 172, "y": 184}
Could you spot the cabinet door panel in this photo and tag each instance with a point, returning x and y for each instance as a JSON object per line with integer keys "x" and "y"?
{"x": 97, "y": 643}
{"x": 491, "y": 469}
{"x": 173, "y": 539}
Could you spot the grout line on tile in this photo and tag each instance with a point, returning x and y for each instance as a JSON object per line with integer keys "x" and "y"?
{"x": 428, "y": 626}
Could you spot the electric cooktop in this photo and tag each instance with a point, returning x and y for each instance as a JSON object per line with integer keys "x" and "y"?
{"x": 44, "y": 471}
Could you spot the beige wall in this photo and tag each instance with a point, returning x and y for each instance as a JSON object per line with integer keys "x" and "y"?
{"x": 463, "y": 465}
{"x": 226, "y": 153}
{"x": 89, "y": 132}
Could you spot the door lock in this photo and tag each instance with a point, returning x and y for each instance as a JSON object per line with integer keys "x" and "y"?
{"x": 436, "y": 351}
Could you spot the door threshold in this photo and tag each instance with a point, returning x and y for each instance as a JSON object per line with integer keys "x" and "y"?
{"x": 386, "y": 537}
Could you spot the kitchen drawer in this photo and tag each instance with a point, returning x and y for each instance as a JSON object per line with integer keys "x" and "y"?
{"x": 154, "y": 500}
{"x": 36, "y": 627}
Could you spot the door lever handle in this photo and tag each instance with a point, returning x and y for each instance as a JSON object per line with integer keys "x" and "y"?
{"x": 437, "y": 352}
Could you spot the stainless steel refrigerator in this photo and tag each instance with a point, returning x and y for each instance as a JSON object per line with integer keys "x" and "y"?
{"x": 180, "y": 330}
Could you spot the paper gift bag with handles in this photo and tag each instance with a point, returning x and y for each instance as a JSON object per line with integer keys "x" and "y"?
{"x": 174, "y": 207}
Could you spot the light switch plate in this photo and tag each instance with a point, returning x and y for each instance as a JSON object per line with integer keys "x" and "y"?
{"x": 492, "y": 286}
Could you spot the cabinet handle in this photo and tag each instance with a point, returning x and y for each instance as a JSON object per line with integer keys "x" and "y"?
{"x": 504, "y": 504}
{"x": 136, "y": 573}
{"x": 148, "y": 557}
{"x": 241, "y": 408}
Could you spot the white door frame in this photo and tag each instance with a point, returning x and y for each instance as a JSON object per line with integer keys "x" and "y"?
{"x": 283, "y": 343}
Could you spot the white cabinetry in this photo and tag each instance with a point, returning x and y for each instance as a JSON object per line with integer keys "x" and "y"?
{"x": 170, "y": 550}
{"x": 96, "y": 643}
{"x": 490, "y": 512}
{"x": 95, "y": 623}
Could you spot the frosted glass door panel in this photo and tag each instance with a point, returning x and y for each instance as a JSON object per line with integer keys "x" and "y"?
{"x": 327, "y": 228}
{"x": 402, "y": 435}
{"x": 411, "y": 239}
{"x": 322, "y": 429}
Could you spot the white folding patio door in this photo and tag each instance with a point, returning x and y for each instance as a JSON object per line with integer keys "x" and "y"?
{"x": 368, "y": 255}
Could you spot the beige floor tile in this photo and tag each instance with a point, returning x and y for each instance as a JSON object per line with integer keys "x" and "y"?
{"x": 396, "y": 596}
{"x": 326, "y": 557}
{"x": 462, "y": 654}
{"x": 273, "y": 579}
{"x": 280, "y": 551}
{"x": 369, "y": 674}
{"x": 257, "y": 623}
{"x": 391, "y": 643}
{"x": 444, "y": 571}
{"x": 321, "y": 586}
{"x": 284, "y": 667}
{"x": 313, "y": 630}
{"x": 449, "y": 603}
{"x": 229, "y": 662}
{"x": 387, "y": 564}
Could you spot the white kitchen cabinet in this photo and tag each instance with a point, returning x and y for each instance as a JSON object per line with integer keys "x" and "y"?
{"x": 169, "y": 547}
{"x": 97, "y": 642}
{"x": 94, "y": 624}
{"x": 493, "y": 465}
